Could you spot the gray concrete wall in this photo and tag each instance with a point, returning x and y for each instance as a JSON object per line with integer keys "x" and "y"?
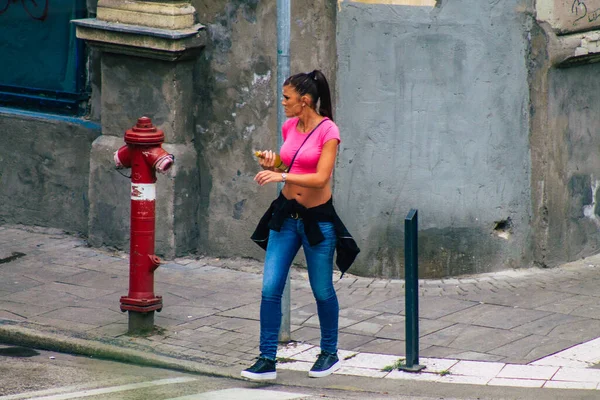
{"x": 44, "y": 167}
{"x": 565, "y": 162}
{"x": 236, "y": 108}
{"x": 434, "y": 114}
{"x": 454, "y": 110}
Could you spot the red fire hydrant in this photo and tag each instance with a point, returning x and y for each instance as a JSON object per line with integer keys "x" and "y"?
{"x": 144, "y": 155}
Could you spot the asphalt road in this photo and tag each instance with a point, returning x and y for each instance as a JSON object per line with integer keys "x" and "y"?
{"x": 37, "y": 374}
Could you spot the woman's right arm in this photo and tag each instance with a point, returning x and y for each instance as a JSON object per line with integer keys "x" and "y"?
{"x": 267, "y": 160}
{"x": 267, "y": 157}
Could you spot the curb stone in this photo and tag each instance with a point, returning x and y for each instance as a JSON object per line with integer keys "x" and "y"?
{"x": 16, "y": 335}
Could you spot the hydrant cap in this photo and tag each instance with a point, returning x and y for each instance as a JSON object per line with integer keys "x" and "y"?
{"x": 144, "y": 133}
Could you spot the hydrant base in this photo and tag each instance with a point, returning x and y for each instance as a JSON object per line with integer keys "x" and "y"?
{"x": 141, "y": 305}
{"x": 140, "y": 323}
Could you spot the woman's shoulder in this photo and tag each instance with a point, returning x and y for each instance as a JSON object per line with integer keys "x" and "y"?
{"x": 329, "y": 130}
{"x": 328, "y": 125}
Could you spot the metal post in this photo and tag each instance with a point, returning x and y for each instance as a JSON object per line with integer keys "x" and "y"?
{"x": 283, "y": 71}
{"x": 411, "y": 277}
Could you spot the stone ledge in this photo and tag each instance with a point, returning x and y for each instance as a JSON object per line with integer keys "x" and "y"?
{"x": 156, "y": 15}
{"x": 142, "y": 41}
{"x": 574, "y": 49}
{"x": 176, "y": 34}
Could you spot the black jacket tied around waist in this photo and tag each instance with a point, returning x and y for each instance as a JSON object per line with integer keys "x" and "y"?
{"x": 282, "y": 208}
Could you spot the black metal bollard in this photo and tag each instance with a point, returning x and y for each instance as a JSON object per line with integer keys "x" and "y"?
{"x": 411, "y": 278}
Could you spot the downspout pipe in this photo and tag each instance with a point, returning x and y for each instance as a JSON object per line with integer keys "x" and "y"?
{"x": 283, "y": 72}
{"x": 283, "y": 60}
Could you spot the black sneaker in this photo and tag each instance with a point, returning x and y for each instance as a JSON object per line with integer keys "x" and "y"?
{"x": 262, "y": 370}
{"x": 326, "y": 364}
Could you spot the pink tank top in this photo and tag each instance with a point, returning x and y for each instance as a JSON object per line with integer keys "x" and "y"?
{"x": 307, "y": 159}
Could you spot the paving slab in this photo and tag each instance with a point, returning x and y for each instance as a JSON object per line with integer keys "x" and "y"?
{"x": 582, "y": 288}
{"x": 62, "y": 324}
{"x": 471, "y": 337}
{"x": 7, "y": 315}
{"x": 437, "y": 307}
{"x": 494, "y": 316}
{"x": 36, "y": 296}
{"x": 97, "y": 317}
{"x": 504, "y": 323}
{"x": 568, "y": 303}
{"x": 15, "y": 283}
{"x": 397, "y": 331}
{"x": 531, "y": 348}
{"x": 467, "y": 355}
{"x": 386, "y": 346}
{"x": 546, "y": 325}
{"x": 186, "y": 312}
{"x": 578, "y": 331}
{"x": 395, "y": 305}
{"x": 477, "y": 368}
{"x": 350, "y": 341}
{"x": 24, "y": 310}
{"x": 527, "y": 372}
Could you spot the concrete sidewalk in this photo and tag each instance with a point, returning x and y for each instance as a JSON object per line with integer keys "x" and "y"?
{"x": 531, "y": 328}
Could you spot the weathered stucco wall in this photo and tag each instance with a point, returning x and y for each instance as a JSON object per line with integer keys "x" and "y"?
{"x": 564, "y": 149}
{"x": 44, "y": 169}
{"x": 434, "y": 114}
{"x": 453, "y": 109}
{"x": 236, "y": 108}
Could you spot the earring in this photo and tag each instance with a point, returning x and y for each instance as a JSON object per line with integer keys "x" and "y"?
{"x": 303, "y": 104}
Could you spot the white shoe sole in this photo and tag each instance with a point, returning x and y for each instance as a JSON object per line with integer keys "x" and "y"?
{"x": 267, "y": 376}
{"x": 327, "y": 372}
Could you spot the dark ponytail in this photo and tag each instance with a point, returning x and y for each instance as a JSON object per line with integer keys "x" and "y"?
{"x": 315, "y": 85}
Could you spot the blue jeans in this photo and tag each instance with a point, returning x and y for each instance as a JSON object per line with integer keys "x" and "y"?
{"x": 281, "y": 250}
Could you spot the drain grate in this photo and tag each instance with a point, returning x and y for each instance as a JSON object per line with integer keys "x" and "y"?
{"x": 12, "y": 257}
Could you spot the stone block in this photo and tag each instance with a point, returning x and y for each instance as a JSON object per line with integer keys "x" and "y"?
{"x": 133, "y": 87}
{"x": 109, "y": 213}
{"x": 140, "y": 41}
{"x": 169, "y": 15}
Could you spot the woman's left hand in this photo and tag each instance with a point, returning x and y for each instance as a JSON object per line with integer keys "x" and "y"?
{"x": 266, "y": 176}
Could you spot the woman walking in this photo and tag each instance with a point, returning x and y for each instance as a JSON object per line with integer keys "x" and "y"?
{"x": 302, "y": 215}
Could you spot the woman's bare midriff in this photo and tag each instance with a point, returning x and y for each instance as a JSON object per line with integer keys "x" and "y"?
{"x": 308, "y": 197}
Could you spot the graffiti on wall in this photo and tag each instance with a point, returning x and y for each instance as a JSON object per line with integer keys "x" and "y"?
{"x": 36, "y": 9}
{"x": 569, "y": 16}
{"x": 580, "y": 9}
